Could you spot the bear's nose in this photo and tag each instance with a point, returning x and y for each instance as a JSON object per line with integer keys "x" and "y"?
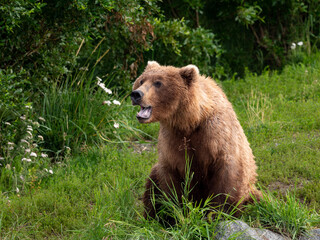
{"x": 136, "y": 97}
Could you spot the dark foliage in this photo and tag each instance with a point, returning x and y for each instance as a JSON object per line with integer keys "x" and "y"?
{"x": 253, "y": 34}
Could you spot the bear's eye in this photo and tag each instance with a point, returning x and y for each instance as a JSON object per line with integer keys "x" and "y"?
{"x": 141, "y": 82}
{"x": 157, "y": 84}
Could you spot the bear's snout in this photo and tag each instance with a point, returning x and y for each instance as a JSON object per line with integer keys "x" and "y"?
{"x": 136, "y": 97}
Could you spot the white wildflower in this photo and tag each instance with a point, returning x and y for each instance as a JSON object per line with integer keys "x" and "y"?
{"x": 33, "y": 154}
{"x": 17, "y": 190}
{"x": 22, "y": 177}
{"x": 1, "y": 158}
{"x": 28, "y": 150}
{"x": 116, "y": 102}
{"x": 7, "y": 123}
{"x": 42, "y": 119}
{"x": 25, "y": 141}
{"x": 35, "y": 145}
{"x": 50, "y": 171}
{"x": 29, "y": 128}
{"x": 106, "y": 102}
{"x": 116, "y": 125}
{"x": 30, "y": 133}
{"x": 40, "y": 137}
{"x": 293, "y": 46}
{"x": 103, "y": 86}
{"x": 44, "y": 155}
{"x": 8, "y": 166}
{"x": 300, "y": 43}
{"x": 26, "y": 159}
{"x": 29, "y": 107}
{"x": 0, "y": 164}
{"x": 23, "y": 117}
{"x": 46, "y": 170}
{"x": 10, "y": 143}
{"x": 68, "y": 148}
{"x": 36, "y": 124}
{"x": 107, "y": 90}
{"x": 11, "y": 148}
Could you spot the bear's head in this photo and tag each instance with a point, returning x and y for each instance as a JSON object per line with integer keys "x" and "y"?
{"x": 163, "y": 91}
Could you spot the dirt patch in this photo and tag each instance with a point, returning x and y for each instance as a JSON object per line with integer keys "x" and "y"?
{"x": 143, "y": 147}
{"x": 283, "y": 188}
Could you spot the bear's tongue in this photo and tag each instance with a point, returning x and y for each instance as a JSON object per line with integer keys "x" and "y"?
{"x": 145, "y": 112}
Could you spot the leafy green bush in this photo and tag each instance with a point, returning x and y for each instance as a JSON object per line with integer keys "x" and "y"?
{"x": 13, "y": 101}
{"x": 39, "y": 36}
{"x": 23, "y": 161}
{"x": 179, "y": 45}
{"x": 22, "y": 157}
{"x": 44, "y": 38}
{"x": 253, "y": 34}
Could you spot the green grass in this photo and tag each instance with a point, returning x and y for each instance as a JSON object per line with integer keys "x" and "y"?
{"x": 96, "y": 194}
{"x": 82, "y": 195}
{"x": 287, "y": 216}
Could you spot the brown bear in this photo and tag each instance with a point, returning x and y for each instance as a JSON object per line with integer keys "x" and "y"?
{"x": 197, "y": 122}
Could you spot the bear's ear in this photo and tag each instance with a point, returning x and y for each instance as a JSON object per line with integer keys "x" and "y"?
{"x": 152, "y": 64}
{"x": 189, "y": 73}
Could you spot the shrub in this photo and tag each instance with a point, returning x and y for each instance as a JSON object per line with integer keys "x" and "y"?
{"x": 253, "y": 34}
{"x": 178, "y": 44}
{"x": 13, "y": 102}
{"x": 39, "y": 37}
{"x": 43, "y": 38}
{"x": 23, "y": 161}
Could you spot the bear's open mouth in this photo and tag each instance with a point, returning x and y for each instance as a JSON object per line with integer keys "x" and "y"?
{"x": 145, "y": 113}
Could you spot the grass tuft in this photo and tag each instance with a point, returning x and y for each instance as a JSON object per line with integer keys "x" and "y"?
{"x": 287, "y": 216}
{"x": 79, "y": 113}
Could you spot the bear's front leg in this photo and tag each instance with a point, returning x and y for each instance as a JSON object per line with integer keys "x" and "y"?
{"x": 152, "y": 191}
{"x": 162, "y": 185}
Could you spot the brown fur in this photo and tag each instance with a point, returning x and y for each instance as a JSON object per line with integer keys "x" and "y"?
{"x": 195, "y": 118}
